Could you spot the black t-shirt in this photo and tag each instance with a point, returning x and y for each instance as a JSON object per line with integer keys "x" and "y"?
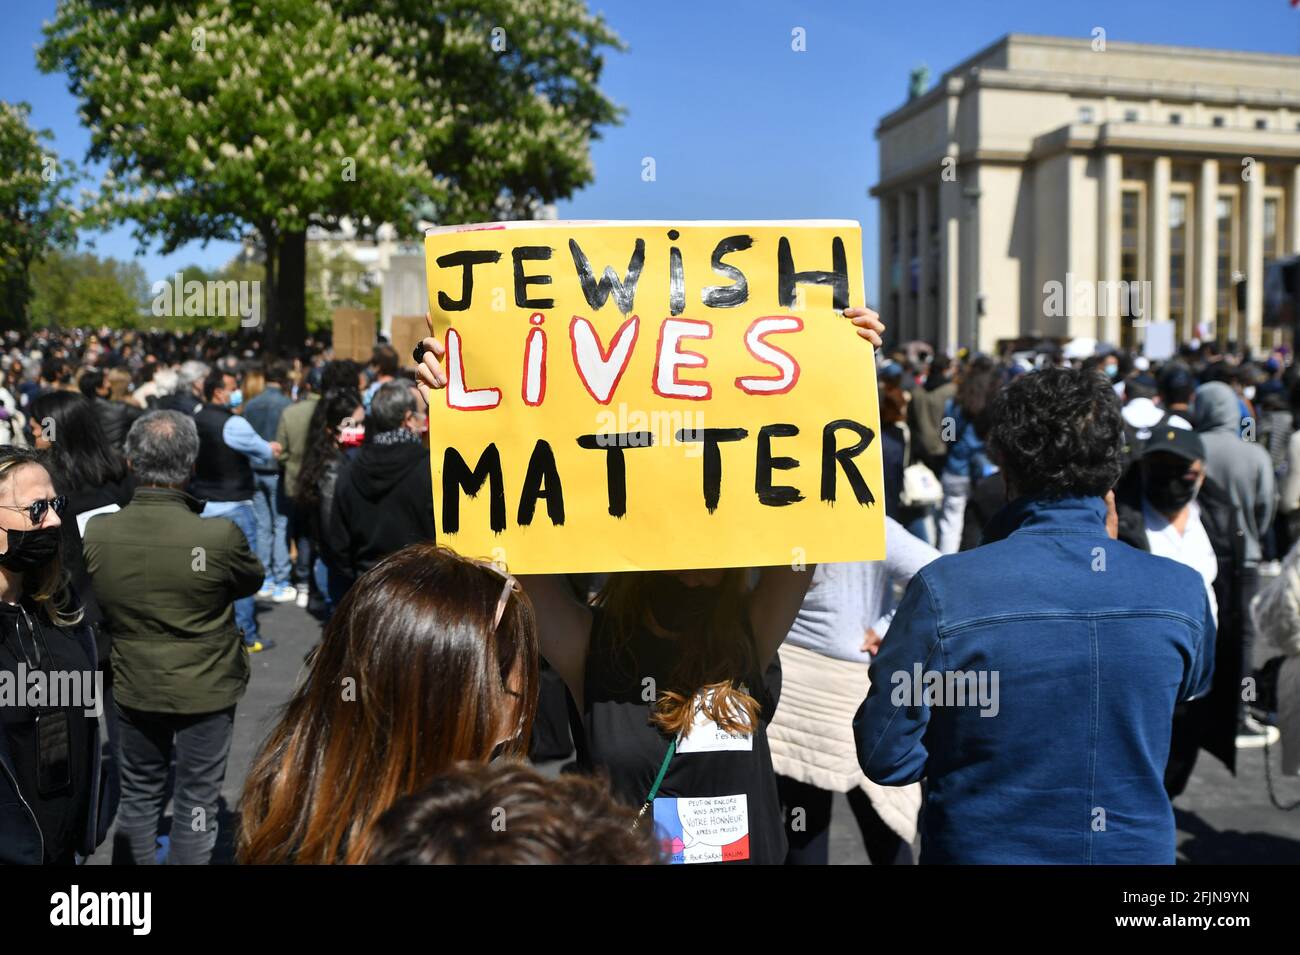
{"x": 60, "y": 813}
{"x": 715, "y": 804}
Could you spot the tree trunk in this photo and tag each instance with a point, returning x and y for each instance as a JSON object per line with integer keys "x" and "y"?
{"x": 289, "y": 294}
{"x": 270, "y": 317}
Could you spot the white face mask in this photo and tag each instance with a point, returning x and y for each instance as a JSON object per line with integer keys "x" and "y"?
{"x": 1249, "y": 392}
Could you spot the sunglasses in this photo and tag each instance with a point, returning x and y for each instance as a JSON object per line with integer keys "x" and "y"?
{"x": 36, "y": 510}
{"x": 509, "y": 586}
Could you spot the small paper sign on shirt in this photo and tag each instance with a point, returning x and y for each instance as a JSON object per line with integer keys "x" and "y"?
{"x": 706, "y": 736}
{"x": 703, "y": 828}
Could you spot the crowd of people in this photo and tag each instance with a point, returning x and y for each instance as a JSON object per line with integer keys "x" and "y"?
{"x": 1208, "y": 476}
{"x": 1098, "y": 542}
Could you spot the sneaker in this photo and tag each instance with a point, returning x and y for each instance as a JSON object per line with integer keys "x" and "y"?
{"x": 1267, "y": 717}
{"x": 257, "y": 646}
{"x": 1252, "y": 734}
{"x": 285, "y": 594}
{"x": 267, "y": 591}
{"x": 304, "y": 594}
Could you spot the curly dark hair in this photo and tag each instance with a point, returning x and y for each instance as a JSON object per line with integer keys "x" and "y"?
{"x": 507, "y": 813}
{"x": 1059, "y": 433}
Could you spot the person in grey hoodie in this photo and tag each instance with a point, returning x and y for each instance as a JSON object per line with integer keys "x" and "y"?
{"x": 1245, "y": 471}
{"x": 1240, "y": 466}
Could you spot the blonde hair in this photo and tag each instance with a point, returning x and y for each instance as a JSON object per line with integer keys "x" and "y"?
{"x": 119, "y": 384}
{"x": 49, "y": 586}
{"x": 254, "y": 383}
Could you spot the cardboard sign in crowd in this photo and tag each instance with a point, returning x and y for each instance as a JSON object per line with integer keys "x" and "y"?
{"x": 653, "y": 395}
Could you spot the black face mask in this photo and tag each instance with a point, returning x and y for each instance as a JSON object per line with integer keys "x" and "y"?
{"x": 31, "y": 550}
{"x": 1169, "y": 490}
{"x": 677, "y": 607}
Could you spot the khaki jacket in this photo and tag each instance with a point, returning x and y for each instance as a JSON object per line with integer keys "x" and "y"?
{"x": 166, "y": 580}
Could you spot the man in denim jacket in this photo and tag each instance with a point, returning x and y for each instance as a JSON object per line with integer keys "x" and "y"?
{"x": 1032, "y": 681}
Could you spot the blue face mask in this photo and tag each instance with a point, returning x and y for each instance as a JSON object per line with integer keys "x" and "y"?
{"x": 236, "y": 398}
{"x": 1112, "y": 371}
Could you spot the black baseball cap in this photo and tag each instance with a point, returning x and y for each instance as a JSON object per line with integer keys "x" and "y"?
{"x": 1172, "y": 439}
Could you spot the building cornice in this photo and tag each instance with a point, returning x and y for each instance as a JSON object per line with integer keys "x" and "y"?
{"x": 947, "y": 86}
{"x": 969, "y": 74}
{"x": 1183, "y": 92}
{"x": 926, "y": 171}
{"x": 1182, "y": 142}
{"x": 1181, "y": 53}
{"x": 1163, "y": 139}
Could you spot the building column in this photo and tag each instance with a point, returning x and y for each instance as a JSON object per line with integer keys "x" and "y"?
{"x": 1109, "y": 226}
{"x": 886, "y": 207}
{"x": 1156, "y": 308}
{"x": 950, "y": 213}
{"x": 1293, "y": 213}
{"x": 969, "y": 323}
{"x": 926, "y": 324}
{"x": 906, "y": 314}
{"x": 1206, "y": 260}
{"x": 1253, "y": 222}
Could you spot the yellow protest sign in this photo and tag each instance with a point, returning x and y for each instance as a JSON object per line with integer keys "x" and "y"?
{"x": 653, "y": 395}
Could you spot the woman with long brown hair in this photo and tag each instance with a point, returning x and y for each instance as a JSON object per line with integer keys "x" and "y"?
{"x": 430, "y": 659}
{"x": 673, "y": 677}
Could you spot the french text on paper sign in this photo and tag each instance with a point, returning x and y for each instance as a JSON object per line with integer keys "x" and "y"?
{"x": 638, "y": 315}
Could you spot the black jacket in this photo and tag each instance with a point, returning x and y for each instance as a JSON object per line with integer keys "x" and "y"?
{"x": 21, "y": 839}
{"x": 1211, "y": 721}
{"x": 220, "y": 473}
{"x": 116, "y": 418}
{"x": 383, "y": 501}
{"x": 185, "y": 403}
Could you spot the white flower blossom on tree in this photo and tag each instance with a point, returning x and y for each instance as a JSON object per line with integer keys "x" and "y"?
{"x": 246, "y": 134}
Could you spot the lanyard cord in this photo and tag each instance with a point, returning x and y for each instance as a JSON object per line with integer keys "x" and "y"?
{"x": 35, "y": 631}
{"x": 19, "y": 620}
{"x": 654, "y": 790}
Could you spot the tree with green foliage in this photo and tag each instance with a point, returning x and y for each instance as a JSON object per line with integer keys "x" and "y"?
{"x": 336, "y": 280}
{"x": 224, "y": 118}
{"x": 81, "y": 290}
{"x": 34, "y": 216}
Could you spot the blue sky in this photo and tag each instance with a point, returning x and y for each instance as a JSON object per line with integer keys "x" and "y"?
{"x": 741, "y": 126}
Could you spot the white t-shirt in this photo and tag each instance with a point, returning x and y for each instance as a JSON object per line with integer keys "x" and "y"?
{"x": 1192, "y": 547}
{"x": 1143, "y": 414}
